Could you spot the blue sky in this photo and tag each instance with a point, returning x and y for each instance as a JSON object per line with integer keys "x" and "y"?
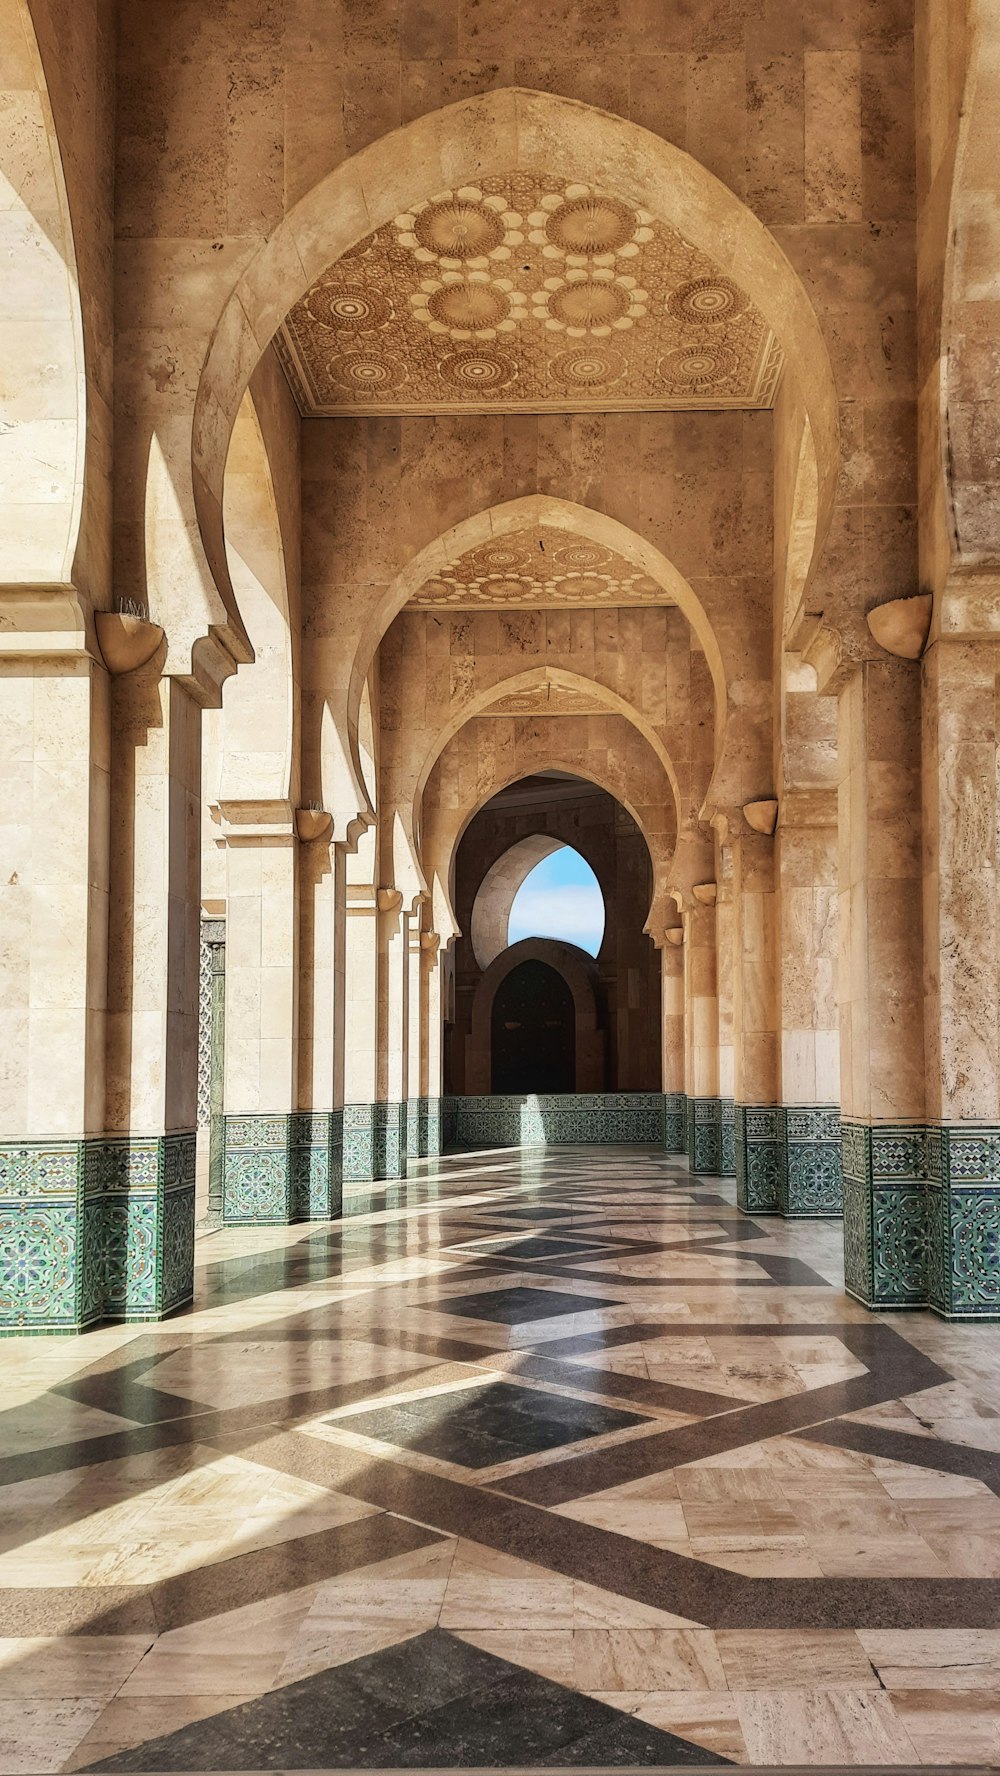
{"x": 560, "y": 897}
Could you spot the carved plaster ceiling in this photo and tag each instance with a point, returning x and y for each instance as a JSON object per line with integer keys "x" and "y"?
{"x": 546, "y": 699}
{"x": 542, "y": 568}
{"x": 523, "y": 292}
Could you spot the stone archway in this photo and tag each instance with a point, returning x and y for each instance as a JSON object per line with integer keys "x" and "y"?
{"x": 497, "y": 892}
{"x": 44, "y": 439}
{"x": 488, "y": 134}
{"x": 576, "y": 969}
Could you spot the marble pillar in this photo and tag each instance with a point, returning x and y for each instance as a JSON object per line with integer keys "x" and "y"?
{"x": 809, "y": 1155}
{"x": 431, "y": 1045}
{"x": 360, "y": 1021}
{"x": 54, "y": 818}
{"x": 880, "y": 986}
{"x": 389, "y": 1133}
{"x": 701, "y": 1031}
{"x": 725, "y": 939}
{"x": 755, "y": 1042}
{"x": 672, "y": 1002}
{"x": 961, "y": 810}
{"x": 153, "y": 970}
{"x": 416, "y": 1012}
{"x": 262, "y": 969}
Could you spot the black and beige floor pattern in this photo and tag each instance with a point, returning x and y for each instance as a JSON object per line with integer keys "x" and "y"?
{"x": 566, "y": 1463}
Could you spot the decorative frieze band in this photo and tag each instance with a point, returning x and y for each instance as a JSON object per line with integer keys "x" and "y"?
{"x": 594, "y": 1118}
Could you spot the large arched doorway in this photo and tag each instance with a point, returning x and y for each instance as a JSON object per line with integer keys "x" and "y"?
{"x": 533, "y": 1032}
{"x": 615, "y": 976}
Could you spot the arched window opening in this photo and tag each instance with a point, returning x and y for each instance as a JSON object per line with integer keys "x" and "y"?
{"x": 561, "y": 898}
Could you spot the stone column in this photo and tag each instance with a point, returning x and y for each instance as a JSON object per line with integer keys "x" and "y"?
{"x": 415, "y": 1019}
{"x": 809, "y": 1165}
{"x": 672, "y": 1003}
{"x": 261, "y": 1088}
{"x": 54, "y": 806}
{"x": 701, "y": 1045}
{"x": 393, "y": 1042}
{"x": 755, "y": 1043}
{"x": 360, "y": 1027}
{"x": 961, "y": 689}
{"x": 317, "y": 1128}
{"x": 725, "y": 939}
{"x": 152, "y": 1054}
{"x": 431, "y": 1045}
{"x": 880, "y": 984}
{"x": 213, "y": 937}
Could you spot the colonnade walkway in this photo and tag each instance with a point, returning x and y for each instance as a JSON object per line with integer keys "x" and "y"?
{"x": 564, "y": 1461}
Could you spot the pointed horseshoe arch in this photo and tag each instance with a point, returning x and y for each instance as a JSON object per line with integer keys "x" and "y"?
{"x": 491, "y": 134}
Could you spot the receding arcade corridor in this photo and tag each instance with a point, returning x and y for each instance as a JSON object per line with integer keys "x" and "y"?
{"x": 565, "y": 1461}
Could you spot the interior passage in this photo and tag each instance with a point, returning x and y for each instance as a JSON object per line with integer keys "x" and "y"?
{"x": 563, "y": 1461}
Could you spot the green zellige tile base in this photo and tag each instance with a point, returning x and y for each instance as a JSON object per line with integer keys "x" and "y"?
{"x": 592, "y": 1118}
{"x": 283, "y": 1168}
{"x": 95, "y": 1229}
{"x": 922, "y": 1217}
{"x": 727, "y": 1138}
{"x": 788, "y": 1160}
{"x": 704, "y": 1130}
{"x": 757, "y": 1142}
{"x": 674, "y": 1122}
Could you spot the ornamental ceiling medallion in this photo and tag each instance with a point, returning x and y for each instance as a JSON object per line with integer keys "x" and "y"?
{"x": 543, "y": 568}
{"x": 521, "y": 292}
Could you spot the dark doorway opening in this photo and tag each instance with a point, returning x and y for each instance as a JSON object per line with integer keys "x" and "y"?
{"x": 533, "y": 1035}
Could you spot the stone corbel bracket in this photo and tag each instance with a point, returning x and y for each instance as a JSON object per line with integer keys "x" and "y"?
{"x": 430, "y": 942}
{"x": 389, "y": 900}
{"x": 762, "y": 816}
{"x": 675, "y": 936}
{"x": 313, "y": 823}
{"x": 706, "y": 893}
{"x": 126, "y": 641}
{"x": 902, "y": 626}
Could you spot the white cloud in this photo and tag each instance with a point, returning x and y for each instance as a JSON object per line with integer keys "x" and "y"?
{"x": 573, "y": 913}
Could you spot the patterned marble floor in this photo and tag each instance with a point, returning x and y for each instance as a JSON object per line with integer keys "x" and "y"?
{"x": 565, "y": 1463}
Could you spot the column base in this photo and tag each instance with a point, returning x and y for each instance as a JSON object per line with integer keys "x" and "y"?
{"x": 411, "y": 1123}
{"x": 963, "y": 1220}
{"x": 431, "y": 1141}
{"x": 922, "y": 1217}
{"x": 727, "y": 1138}
{"x": 703, "y": 1133}
{"x": 757, "y": 1150}
{"x": 96, "y": 1229}
{"x": 374, "y": 1150}
{"x": 674, "y": 1122}
{"x": 810, "y": 1177}
{"x": 788, "y": 1160}
{"x": 885, "y": 1214}
{"x": 282, "y": 1169}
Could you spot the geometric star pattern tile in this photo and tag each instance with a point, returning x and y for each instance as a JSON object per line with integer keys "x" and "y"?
{"x": 542, "y": 567}
{"x": 392, "y": 1494}
{"x": 526, "y": 292}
